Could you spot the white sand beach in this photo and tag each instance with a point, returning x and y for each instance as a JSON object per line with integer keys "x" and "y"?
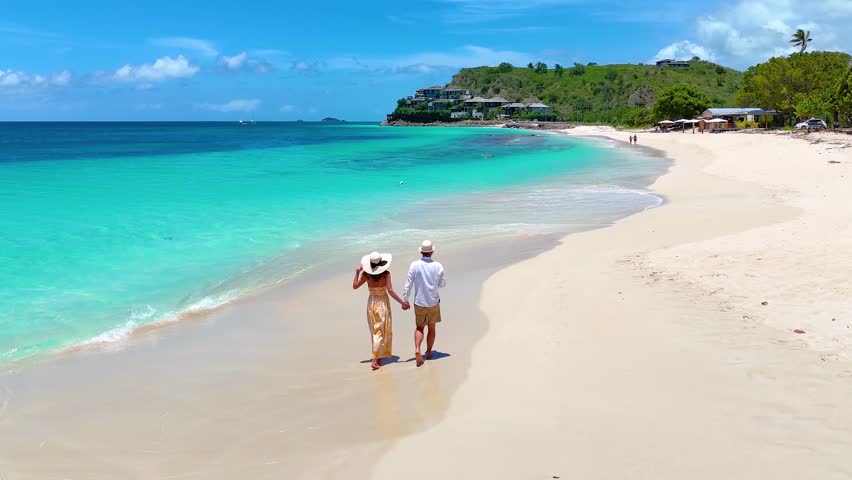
{"x": 641, "y": 350}
{"x": 644, "y": 350}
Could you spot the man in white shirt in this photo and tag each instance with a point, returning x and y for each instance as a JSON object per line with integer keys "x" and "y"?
{"x": 426, "y": 276}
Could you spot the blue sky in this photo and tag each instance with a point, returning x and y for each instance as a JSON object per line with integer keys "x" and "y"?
{"x": 227, "y": 60}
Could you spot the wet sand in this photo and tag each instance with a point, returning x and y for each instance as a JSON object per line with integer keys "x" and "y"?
{"x": 275, "y": 384}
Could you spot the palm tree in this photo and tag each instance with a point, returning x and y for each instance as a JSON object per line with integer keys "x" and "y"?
{"x": 801, "y": 39}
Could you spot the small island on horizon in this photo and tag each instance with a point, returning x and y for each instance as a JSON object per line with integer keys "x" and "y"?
{"x": 332, "y": 120}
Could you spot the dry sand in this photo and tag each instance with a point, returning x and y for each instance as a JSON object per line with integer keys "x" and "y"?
{"x": 636, "y": 351}
{"x": 644, "y": 350}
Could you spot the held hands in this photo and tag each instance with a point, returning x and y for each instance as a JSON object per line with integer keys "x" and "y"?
{"x": 406, "y": 305}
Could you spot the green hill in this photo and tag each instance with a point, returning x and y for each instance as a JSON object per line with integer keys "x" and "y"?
{"x": 599, "y": 93}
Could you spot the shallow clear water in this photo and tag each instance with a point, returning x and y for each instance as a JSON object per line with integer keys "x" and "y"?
{"x": 108, "y": 226}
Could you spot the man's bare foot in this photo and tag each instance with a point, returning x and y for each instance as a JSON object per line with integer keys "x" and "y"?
{"x": 418, "y": 358}
{"x": 428, "y": 354}
{"x": 376, "y": 365}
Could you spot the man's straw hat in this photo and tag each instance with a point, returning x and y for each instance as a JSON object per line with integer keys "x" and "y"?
{"x": 426, "y": 247}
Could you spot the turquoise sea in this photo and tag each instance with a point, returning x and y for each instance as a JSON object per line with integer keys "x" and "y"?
{"x": 105, "y": 227}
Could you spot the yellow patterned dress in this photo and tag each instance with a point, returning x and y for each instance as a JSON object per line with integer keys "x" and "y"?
{"x": 379, "y": 321}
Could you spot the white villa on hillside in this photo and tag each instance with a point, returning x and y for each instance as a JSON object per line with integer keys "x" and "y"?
{"x": 437, "y": 98}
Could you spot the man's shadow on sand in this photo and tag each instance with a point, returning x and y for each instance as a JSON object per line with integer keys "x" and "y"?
{"x": 436, "y": 355}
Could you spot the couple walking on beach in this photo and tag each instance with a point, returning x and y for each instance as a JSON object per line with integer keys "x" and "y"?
{"x": 425, "y": 277}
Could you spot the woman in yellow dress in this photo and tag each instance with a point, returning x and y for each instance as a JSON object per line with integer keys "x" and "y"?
{"x": 373, "y": 271}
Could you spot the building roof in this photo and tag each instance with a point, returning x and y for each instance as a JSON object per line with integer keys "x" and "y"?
{"x": 486, "y": 100}
{"x": 452, "y": 89}
{"x": 441, "y": 100}
{"x": 516, "y": 105}
{"x": 434, "y": 87}
{"x": 537, "y": 105}
{"x": 669, "y": 61}
{"x": 714, "y": 112}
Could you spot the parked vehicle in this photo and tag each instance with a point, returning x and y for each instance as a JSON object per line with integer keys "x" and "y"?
{"x": 812, "y": 124}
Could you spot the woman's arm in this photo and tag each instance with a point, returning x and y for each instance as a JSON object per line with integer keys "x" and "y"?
{"x": 359, "y": 279}
{"x": 394, "y": 295}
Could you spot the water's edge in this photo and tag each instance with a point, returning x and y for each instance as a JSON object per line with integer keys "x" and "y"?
{"x": 201, "y": 309}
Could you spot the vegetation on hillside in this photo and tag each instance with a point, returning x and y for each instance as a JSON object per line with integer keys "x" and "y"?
{"x": 619, "y": 94}
{"x": 843, "y": 97}
{"x": 801, "y": 85}
{"x": 681, "y": 100}
{"x": 798, "y": 86}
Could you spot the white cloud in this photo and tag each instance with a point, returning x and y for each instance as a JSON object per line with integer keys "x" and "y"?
{"x": 233, "y": 63}
{"x": 287, "y": 108}
{"x": 203, "y": 47}
{"x": 428, "y": 62}
{"x": 238, "y": 105}
{"x": 19, "y": 30}
{"x": 750, "y": 31}
{"x": 683, "y": 50}
{"x": 18, "y": 82}
{"x": 61, "y": 79}
{"x": 269, "y": 52}
{"x": 163, "y": 68}
{"x": 242, "y": 61}
{"x": 402, "y": 20}
{"x": 11, "y": 79}
{"x": 303, "y": 66}
{"x": 477, "y": 11}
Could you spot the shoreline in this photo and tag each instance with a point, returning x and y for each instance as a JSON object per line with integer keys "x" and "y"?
{"x": 125, "y": 334}
{"x": 642, "y": 350}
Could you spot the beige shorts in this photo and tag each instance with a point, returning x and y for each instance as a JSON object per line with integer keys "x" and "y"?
{"x": 424, "y": 315}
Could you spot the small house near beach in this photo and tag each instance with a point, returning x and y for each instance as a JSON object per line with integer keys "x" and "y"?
{"x": 732, "y": 115}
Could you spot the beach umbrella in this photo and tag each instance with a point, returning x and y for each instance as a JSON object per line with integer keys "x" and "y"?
{"x": 691, "y": 122}
{"x": 666, "y": 122}
{"x": 682, "y": 123}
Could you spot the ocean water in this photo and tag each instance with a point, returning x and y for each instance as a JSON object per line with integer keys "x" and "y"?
{"x": 105, "y": 227}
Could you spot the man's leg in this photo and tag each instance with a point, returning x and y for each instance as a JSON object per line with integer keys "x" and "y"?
{"x": 418, "y": 340}
{"x": 430, "y": 340}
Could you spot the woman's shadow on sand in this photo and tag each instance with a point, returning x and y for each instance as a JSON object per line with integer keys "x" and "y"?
{"x": 436, "y": 355}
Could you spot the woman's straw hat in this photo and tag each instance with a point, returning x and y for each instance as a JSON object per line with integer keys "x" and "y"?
{"x": 376, "y": 263}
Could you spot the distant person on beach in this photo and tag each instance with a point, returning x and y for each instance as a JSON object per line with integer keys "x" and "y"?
{"x": 635, "y": 140}
{"x": 373, "y": 271}
{"x": 630, "y": 139}
{"x": 426, "y": 276}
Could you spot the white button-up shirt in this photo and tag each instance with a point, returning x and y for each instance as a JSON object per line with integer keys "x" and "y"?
{"x": 426, "y": 276}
